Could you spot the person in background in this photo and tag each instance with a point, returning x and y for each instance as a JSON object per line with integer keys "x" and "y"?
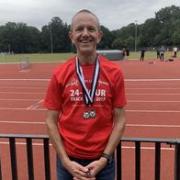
{"x": 124, "y": 53}
{"x": 158, "y": 53}
{"x": 162, "y": 51}
{"x": 127, "y": 52}
{"x": 85, "y": 101}
{"x": 142, "y": 54}
{"x": 175, "y": 49}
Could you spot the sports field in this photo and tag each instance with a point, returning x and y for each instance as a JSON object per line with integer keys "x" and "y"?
{"x": 56, "y": 57}
{"x": 153, "y": 110}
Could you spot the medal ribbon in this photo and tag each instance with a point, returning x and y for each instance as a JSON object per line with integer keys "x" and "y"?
{"x": 88, "y": 95}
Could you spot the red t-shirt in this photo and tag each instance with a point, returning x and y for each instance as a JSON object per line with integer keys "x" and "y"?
{"x": 85, "y": 138}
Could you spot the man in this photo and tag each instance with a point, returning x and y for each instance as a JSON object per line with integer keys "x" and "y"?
{"x": 85, "y": 101}
{"x": 162, "y": 51}
{"x": 175, "y": 49}
{"x": 142, "y": 54}
{"x": 158, "y": 53}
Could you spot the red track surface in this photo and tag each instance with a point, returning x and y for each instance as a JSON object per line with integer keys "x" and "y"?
{"x": 153, "y": 110}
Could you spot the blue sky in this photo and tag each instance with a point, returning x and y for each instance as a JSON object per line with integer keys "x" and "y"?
{"x": 113, "y": 14}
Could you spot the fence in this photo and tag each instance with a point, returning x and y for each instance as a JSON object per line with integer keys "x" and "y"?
{"x": 157, "y": 144}
{"x": 157, "y": 159}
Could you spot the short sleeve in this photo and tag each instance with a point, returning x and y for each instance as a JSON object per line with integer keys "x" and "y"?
{"x": 119, "y": 97}
{"x": 53, "y": 98}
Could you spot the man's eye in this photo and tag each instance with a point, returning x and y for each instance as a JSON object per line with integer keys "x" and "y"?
{"x": 79, "y": 29}
{"x": 91, "y": 29}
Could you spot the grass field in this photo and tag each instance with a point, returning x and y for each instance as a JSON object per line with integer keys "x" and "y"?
{"x": 63, "y": 56}
{"x": 46, "y": 57}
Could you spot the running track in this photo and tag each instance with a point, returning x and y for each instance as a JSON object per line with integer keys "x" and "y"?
{"x": 153, "y": 110}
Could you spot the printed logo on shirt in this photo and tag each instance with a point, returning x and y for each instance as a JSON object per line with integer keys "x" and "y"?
{"x": 76, "y": 94}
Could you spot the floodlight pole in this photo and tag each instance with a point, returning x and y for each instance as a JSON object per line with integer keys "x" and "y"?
{"x": 51, "y": 38}
{"x": 135, "y": 38}
{"x": 9, "y": 48}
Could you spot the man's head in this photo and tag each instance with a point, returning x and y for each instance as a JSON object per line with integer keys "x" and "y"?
{"x": 88, "y": 12}
{"x": 85, "y": 32}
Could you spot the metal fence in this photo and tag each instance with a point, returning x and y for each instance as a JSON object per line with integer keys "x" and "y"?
{"x": 12, "y": 138}
{"x": 11, "y": 141}
{"x": 157, "y": 145}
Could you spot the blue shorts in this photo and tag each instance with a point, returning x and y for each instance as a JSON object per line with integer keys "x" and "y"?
{"x": 108, "y": 173}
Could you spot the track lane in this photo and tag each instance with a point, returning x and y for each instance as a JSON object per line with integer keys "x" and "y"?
{"x": 134, "y": 116}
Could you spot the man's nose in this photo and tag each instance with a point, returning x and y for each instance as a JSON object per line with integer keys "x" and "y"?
{"x": 85, "y": 32}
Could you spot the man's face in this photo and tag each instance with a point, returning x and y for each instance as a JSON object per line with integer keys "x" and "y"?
{"x": 85, "y": 33}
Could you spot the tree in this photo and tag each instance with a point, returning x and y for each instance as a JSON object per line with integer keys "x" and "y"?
{"x": 54, "y": 36}
{"x": 19, "y": 38}
{"x": 126, "y": 35}
{"x": 148, "y": 32}
{"x": 7, "y": 37}
{"x": 154, "y": 32}
{"x": 164, "y": 30}
{"x": 118, "y": 43}
{"x": 169, "y": 19}
{"x": 107, "y": 39}
{"x": 46, "y": 39}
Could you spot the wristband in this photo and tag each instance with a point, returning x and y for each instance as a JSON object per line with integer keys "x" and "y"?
{"x": 108, "y": 157}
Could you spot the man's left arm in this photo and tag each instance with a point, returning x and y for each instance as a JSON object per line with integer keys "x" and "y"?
{"x": 114, "y": 140}
{"x": 117, "y": 132}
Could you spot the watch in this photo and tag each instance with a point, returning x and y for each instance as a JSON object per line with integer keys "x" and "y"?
{"x": 108, "y": 157}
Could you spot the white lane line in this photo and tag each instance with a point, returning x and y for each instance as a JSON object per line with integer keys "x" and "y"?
{"x": 127, "y": 110}
{"x": 20, "y": 109}
{"x": 152, "y": 111}
{"x": 148, "y": 148}
{"x": 35, "y": 105}
{"x": 22, "y": 143}
{"x": 28, "y": 79}
{"x": 153, "y": 80}
{"x": 15, "y": 93}
{"x": 153, "y": 125}
{"x": 22, "y": 87}
{"x": 142, "y": 101}
{"x": 123, "y": 147}
{"x": 155, "y": 88}
{"x": 128, "y": 125}
{"x": 129, "y": 80}
{"x": 2, "y": 99}
{"x": 154, "y": 94}
{"x": 23, "y": 122}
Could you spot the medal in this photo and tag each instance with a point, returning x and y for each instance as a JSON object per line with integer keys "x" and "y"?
{"x": 89, "y": 114}
{"x": 92, "y": 113}
{"x": 86, "y": 115}
{"x": 89, "y": 95}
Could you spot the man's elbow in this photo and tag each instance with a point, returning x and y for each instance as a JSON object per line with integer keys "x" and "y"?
{"x": 121, "y": 124}
{"x": 50, "y": 123}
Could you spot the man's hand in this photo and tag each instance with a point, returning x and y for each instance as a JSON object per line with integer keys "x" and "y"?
{"x": 78, "y": 171}
{"x": 88, "y": 176}
{"x": 96, "y": 166}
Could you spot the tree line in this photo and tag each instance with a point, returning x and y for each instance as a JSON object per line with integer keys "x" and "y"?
{"x": 163, "y": 30}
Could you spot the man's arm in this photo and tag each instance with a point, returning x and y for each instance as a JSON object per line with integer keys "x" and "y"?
{"x": 117, "y": 132}
{"x": 114, "y": 139}
{"x": 74, "y": 168}
{"x": 52, "y": 128}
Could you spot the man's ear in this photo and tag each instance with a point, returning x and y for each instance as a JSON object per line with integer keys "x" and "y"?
{"x": 100, "y": 35}
{"x": 71, "y": 36}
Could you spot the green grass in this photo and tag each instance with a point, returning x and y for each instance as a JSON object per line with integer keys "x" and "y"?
{"x": 35, "y": 57}
{"x": 57, "y": 57}
{"x": 148, "y": 55}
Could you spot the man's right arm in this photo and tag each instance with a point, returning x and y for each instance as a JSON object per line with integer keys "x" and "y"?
{"x": 74, "y": 168}
{"x": 52, "y": 128}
